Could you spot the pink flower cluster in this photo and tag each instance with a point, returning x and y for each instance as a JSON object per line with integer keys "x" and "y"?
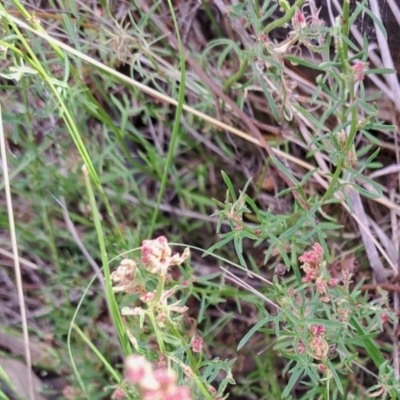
{"x": 317, "y": 330}
{"x": 153, "y": 384}
{"x": 359, "y": 69}
{"x": 313, "y": 257}
{"x": 318, "y": 345}
{"x": 311, "y": 261}
{"x": 311, "y": 265}
{"x": 197, "y": 345}
{"x": 299, "y": 20}
{"x": 157, "y": 256}
{"x": 124, "y": 278}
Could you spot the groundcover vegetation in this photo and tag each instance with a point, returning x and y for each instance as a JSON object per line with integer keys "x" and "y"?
{"x": 200, "y": 199}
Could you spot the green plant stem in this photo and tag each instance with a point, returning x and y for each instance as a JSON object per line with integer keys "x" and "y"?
{"x": 157, "y": 300}
{"x": 175, "y": 131}
{"x": 236, "y": 76}
{"x": 160, "y": 289}
{"x": 207, "y": 395}
{"x": 71, "y": 327}
{"x": 112, "y": 303}
{"x": 345, "y": 24}
{"x": 65, "y": 113}
{"x": 286, "y": 18}
{"x": 343, "y": 52}
{"x": 212, "y": 18}
{"x": 98, "y": 353}
{"x": 159, "y": 334}
{"x": 257, "y": 8}
{"x": 192, "y": 360}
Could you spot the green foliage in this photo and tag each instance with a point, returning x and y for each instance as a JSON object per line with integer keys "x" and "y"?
{"x": 148, "y": 171}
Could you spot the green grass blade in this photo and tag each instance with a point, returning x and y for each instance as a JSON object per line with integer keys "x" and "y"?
{"x": 113, "y": 306}
{"x": 175, "y": 131}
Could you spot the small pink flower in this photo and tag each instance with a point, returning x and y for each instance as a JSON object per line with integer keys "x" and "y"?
{"x": 156, "y": 249}
{"x": 309, "y": 277}
{"x": 322, "y": 367}
{"x": 138, "y": 370}
{"x": 299, "y": 20}
{"x": 212, "y": 390}
{"x": 165, "y": 378}
{"x": 319, "y": 348}
{"x": 343, "y": 314}
{"x": 152, "y": 385}
{"x": 162, "y": 361}
{"x": 118, "y": 394}
{"x": 124, "y": 277}
{"x": 197, "y": 345}
{"x": 157, "y": 256}
{"x": 384, "y": 318}
{"x": 161, "y": 317}
{"x": 179, "y": 393}
{"x": 313, "y": 257}
{"x": 359, "y": 69}
{"x": 166, "y": 294}
{"x": 317, "y": 330}
{"x": 333, "y": 282}
{"x": 300, "y": 347}
{"x": 321, "y": 285}
{"x": 148, "y": 297}
{"x": 178, "y": 309}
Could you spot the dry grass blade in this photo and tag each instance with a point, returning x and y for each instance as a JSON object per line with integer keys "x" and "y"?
{"x": 387, "y": 59}
{"x": 396, "y": 259}
{"x": 232, "y": 277}
{"x": 17, "y": 266}
{"x": 373, "y": 256}
{"x": 27, "y": 263}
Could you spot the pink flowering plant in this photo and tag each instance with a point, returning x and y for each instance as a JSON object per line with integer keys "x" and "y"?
{"x": 320, "y": 318}
{"x": 320, "y": 321}
{"x": 178, "y": 371}
{"x": 338, "y": 93}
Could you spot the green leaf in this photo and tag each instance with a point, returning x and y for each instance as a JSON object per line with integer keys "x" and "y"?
{"x": 335, "y": 376}
{"x": 252, "y": 331}
{"x": 296, "y": 372}
{"x": 254, "y": 207}
{"x": 382, "y": 127}
{"x": 366, "y": 192}
{"x": 268, "y": 13}
{"x": 380, "y": 71}
{"x": 368, "y": 162}
{"x": 283, "y": 169}
{"x": 326, "y": 322}
{"x": 291, "y": 231}
{"x": 228, "y": 183}
{"x": 359, "y": 340}
{"x": 299, "y": 61}
{"x": 219, "y": 244}
{"x": 271, "y": 101}
{"x": 224, "y": 53}
{"x": 377, "y": 21}
{"x": 310, "y": 117}
{"x": 372, "y": 348}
